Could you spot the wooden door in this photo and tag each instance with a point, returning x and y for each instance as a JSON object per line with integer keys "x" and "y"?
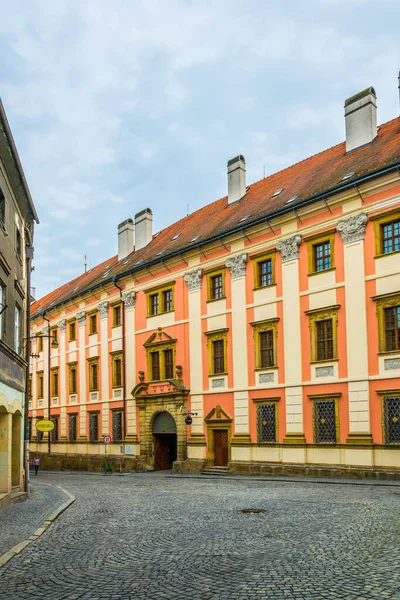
{"x": 220, "y": 447}
{"x": 161, "y": 455}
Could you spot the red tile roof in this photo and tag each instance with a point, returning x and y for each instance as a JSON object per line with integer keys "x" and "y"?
{"x": 307, "y": 179}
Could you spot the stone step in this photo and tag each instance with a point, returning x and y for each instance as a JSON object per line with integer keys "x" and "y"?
{"x": 220, "y": 471}
{"x": 18, "y": 496}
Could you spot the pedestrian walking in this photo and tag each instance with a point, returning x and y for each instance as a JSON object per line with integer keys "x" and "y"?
{"x": 36, "y": 463}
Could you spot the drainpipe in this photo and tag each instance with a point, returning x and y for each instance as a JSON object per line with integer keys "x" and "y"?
{"x": 28, "y": 266}
{"x": 123, "y": 361}
{"x": 48, "y": 383}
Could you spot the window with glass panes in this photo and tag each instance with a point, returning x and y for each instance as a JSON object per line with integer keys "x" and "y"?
{"x": 54, "y": 382}
{"x": 216, "y": 287}
{"x": 167, "y": 300}
{"x": 18, "y": 243}
{"x": 265, "y": 272}
{"x": 117, "y": 426}
{"x": 39, "y": 436}
{"x": 324, "y": 340}
{"x": 2, "y": 209}
{"x": 168, "y": 364}
{"x": 2, "y": 308}
{"x": 266, "y": 423}
{"x": 92, "y": 324}
{"x": 391, "y": 419}
{"x": 218, "y": 356}
{"x": 322, "y": 256}
{"x": 154, "y": 304}
{"x": 117, "y": 315}
{"x": 17, "y": 329}
{"x": 40, "y": 384}
{"x": 72, "y": 331}
{"x": 39, "y": 343}
{"x": 93, "y": 376}
{"x": 117, "y": 372}
{"x": 72, "y": 379}
{"x": 266, "y": 341}
{"x": 93, "y": 427}
{"x": 72, "y": 428}
{"x": 54, "y": 431}
{"x": 155, "y": 366}
{"x": 392, "y": 328}
{"x": 391, "y": 237}
{"x": 324, "y": 416}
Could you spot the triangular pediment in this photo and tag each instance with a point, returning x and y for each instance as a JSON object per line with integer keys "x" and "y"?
{"x": 218, "y": 414}
{"x": 160, "y": 388}
{"x": 159, "y": 337}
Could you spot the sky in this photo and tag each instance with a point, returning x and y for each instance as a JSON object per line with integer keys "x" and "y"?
{"x": 118, "y": 106}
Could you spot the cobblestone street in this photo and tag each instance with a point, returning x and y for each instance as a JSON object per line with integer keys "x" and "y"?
{"x": 153, "y": 537}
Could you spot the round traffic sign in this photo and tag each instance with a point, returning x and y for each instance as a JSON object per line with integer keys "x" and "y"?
{"x": 106, "y": 439}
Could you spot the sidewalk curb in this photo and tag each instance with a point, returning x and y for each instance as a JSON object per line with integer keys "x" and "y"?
{"x": 284, "y": 479}
{"x": 17, "y": 549}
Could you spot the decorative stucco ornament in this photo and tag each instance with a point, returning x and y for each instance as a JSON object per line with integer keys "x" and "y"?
{"x": 324, "y": 372}
{"x": 129, "y": 299}
{"x": 289, "y": 248}
{"x": 237, "y": 265}
{"x": 62, "y": 325}
{"x": 81, "y": 318}
{"x": 103, "y": 309}
{"x": 193, "y": 280}
{"x": 353, "y": 228}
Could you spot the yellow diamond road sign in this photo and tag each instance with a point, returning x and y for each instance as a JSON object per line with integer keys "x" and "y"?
{"x": 44, "y": 425}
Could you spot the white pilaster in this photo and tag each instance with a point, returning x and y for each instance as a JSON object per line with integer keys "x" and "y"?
{"x": 104, "y": 358}
{"x": 83, "y": 399}
{"x": 129, "y": 299}
{"x": 62, "y": 325}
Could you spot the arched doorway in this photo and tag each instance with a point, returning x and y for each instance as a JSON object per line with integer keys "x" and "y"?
{"x": 164, "y": 441}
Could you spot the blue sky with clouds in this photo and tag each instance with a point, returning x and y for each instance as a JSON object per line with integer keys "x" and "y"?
{"x": 118, "y": 106}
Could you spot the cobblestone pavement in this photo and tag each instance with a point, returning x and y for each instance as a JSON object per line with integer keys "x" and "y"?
{"x": 19, "y": 521}
{"x": 150, "y": 537}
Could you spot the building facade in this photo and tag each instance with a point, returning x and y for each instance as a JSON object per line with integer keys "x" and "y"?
{"x": 272, "y": 316}
{"x": 17, "y": 216}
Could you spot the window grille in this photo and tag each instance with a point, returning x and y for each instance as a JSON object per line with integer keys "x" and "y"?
{"x": 117, "y": 426}
{"x": 167, "y": 299}
{"x": 266, "y": 423}
{"x": 324, "y": 422}
{"x": 216, "y": 287}
{"x": 267, "y": 348}
{"x": 72, "y": 428}
{"x": 93, "y": 427}
{"x": 54, "y": 431}
{"x": 322, "y": 256}
{"x": 392, "y": 328}
{"x": 219, "y": 359}
{"x": 391, "y": 419}
{"x": 265, "y": 273}
{"x": 168, "y": 364}
{"x": 39, "y": 436}
{"x": 391, "y": 237}
{"x": 155, "y": 366}
{"x": 324, "y": 340}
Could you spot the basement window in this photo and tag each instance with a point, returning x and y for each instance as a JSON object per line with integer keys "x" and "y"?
{"x": 347, "y": 176}
{"x": 292, "y": 199}
{"x": 277, "y": 193}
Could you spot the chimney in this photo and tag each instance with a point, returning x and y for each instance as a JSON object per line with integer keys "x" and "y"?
{"x": 360, "y": 118}
{"x": 143, "y": 228}
{"x": 125, "y": 238}
{"x": 236, "y": 178}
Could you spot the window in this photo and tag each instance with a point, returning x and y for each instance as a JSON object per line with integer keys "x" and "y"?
{"x": 54, "y": 334}
{"x": 39, "y": 343}
{"x": 160, "y": 300}
{"x": 17, "y": 329}
{"x": 93, "y": 375}
{"x": 18, "y": 242}
{"x": 39, "y": 436}
{"x": 93, "y": 427}
{"x": 2, "y": 309}
{"x": 320, "y": 253}
{"x": 73, "y": 379}
{"x": 168, "y": 364}
{"x": 215, "y": 285}
{"x": 54, "y": 431}
{"x": 54, "y": 382}
{"x": 265, "y": 335}
{"x": 40, "y": 388}
{"x": 387, "y": 233}
{"x": 267, "y": 423}
{"x": 117, "y": 315}
{"x": 116, "y": 370}
{"x": 72, "y": 428}
{"x": 388, "y": 313}
{"x": 325, "y": 420}
{"x": 72, "y": 331}
{"x": 391, "y": 419}
{"x": 392, "y": 328}
{"x": 92, "y": 324}
{"x": 30, "y": 428}
{"x": 323, "y": 333}
{"x": 264, "y": 270}
{"x": 217, "y": 357}
{"x": 2, "y": 210}
{"x": 155, "y": 366}
{"x": 324, "y": 340}
{"x": 117, "y": 426}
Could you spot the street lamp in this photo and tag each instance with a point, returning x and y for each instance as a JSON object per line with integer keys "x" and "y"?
{"x": 53, "y": 344}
